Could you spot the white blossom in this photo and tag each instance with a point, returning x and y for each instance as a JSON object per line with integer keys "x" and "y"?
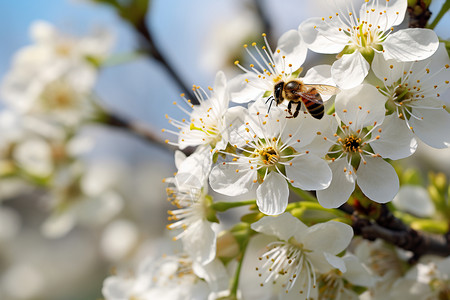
{"x": 270, "y": 152}
{"x": 300, "y": 253}
{"x": 357, "y": 35}
{"x": 413, "y": 93}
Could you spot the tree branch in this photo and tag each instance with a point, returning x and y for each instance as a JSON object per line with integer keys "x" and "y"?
{"x": 394, "y": 231}
{"x": 419, "y": 14}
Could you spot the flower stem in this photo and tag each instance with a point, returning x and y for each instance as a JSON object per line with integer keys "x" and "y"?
{"x": 445, "y": 7}
{"x": 237, "y": 274}
{"x": 303, "y": 194}
{"x": 224, "y": 206}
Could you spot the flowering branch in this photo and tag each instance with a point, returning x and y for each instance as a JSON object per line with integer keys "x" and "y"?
{"x": 393, "y": 230}
{"x": 419, "y": 14}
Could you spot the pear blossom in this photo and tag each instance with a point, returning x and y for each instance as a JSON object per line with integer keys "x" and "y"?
{"x": 54, "y": 77}
{"x": 191, "y": 215}
{"x": 171, "y": 277}
{"x": 270, "y": 152}
{"x": 355, "y": 155}
{"x": 386, "y": 263}
{"x": 300, "y": 253}
{"x": 338, "y": 285}
{"x": 207, "y": 123}
{"x": 413, "y": 92}
{"x": 269, "y": 69}
{"x": 429, "y": 279}
{"x": 357, "y": 35}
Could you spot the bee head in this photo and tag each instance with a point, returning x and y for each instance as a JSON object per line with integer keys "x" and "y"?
{"x": 278, "y": 92}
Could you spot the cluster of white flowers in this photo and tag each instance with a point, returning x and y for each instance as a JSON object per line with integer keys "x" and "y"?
{"x": 287, "y": 132}
{"x": 47, "y": 96}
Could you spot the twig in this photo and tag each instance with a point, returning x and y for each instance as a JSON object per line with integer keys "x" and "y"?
{"x": 394, "y": 231}
{"x": 419, "y": 14}
{"x": 141, "y": 131}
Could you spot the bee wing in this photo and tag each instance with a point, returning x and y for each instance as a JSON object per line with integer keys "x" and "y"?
{"x": 324, "y": 89}
{"x": 313, "y": 97}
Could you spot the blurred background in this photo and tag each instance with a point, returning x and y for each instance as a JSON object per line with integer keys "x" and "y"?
{"x": 199, "y": 38}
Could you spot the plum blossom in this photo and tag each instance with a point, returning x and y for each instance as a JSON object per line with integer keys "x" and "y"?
{"x": 53, "y": 78}
{"x": 270, "y": 152}
{"x": 301, "y": 252}
{"x": 191, "y": 215}
{"x": 356, "y": 36}
{"x": 338, "y": 285}
{"x": 429, "y": 279}
{"x": 207, "y": 123}
{"x": 171, "y": 277}
{"x": 413, "y": 92}
{"x": 355, "y": 155}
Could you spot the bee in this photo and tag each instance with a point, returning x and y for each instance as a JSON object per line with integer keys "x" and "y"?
{"x": 299, "y": 93}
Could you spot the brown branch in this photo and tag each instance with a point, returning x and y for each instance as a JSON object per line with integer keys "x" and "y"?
{"x": 140, "y": 130}
{"x": 394, "y": 231}
{"x": 419, "y": 14}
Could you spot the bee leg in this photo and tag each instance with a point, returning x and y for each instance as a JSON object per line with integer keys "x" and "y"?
{"x": 297, "y": 110}
{"x": 270, "y": 105}
{"x": 289, "y": 107}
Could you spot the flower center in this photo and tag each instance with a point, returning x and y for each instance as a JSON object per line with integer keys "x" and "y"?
{"x": 351, "y": 144}
{"x": 58, "y": 95}
{"x": 269, "y": 156}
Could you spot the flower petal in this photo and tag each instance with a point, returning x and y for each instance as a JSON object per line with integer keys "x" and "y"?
{"x": 272, "y": 195}
{"x": 360, "y": 106}
{"x": 199, "y": 241}
{"x": 377, "y": 179}
{"x": 320, "y": 74}
{"x": 433, "y": 129}
{"x": 390, "y": 71}
{"x": 331, "y": 237}
{"x": 357, "y": 273}
{"x": 225, "y": 180}
{"x": 341, "y": 187}
{"x": 323, "y": 37}
{"x": 309, "y": 172}
{"x": 396, "y": 140}
{"x": 292, "y": 51}
{"x": 350, "y": 70}
{"x": 415, "y": 200}
{"x": 244, "y": 88}
{"x": 283, "y": 226}
{"x": 411, "y": 44}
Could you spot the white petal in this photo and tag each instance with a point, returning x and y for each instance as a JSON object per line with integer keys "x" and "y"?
{"x": 300, "y": 131}
{"x": 214, "y": 273}
{"x": 382, "y": 69}
{"x": 272, "y": 195}
{"x": 179, "y": 158}
{"x": 396, "y": 139}
{"x": 350, "y": 70}
{"x": 194, "y": 170}
{"x": 433, "y": 130}
{"x": 411, "y": 44}
{"x": 225, "y": 180}
{"x": 357, "y": 273}
{"x": 414, "y": 200}
{"x": 341, "y": 187}
{"x": 220, "y": 85}
{"x": 283, "y": 226}
{"x": 360, "y": 107}
{"x": 331, "y": 237}
{"x": 58, "y": 225}
{"x": 199, "y": 241}
{"x": 293, "y": 49}
{"x": 385, "y": 14}
{"x": 335, "y": 261}
{"x": 242, "y": 91}
{"x": 328, "y": 40}
{"x": 309, "y": 172}
{"x": 377, "y": 179}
